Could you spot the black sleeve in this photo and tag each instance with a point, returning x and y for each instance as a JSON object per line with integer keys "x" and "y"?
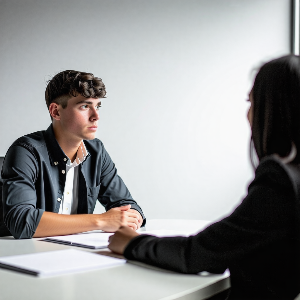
{"x": 113, "y": 191}
{"x": 19, "y": 198}
{"x": 262, "y": 218}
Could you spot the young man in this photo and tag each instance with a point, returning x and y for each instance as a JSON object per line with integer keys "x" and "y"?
{"x": 52, "y": 179}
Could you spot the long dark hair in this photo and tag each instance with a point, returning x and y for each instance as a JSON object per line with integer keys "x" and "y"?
{"x": 276, "y": 108}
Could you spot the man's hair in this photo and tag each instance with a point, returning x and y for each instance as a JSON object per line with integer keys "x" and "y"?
{"x": 276, "y": 108}
{"x": 72, "y": 83}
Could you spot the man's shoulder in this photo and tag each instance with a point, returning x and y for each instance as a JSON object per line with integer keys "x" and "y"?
{"x": 96, "y": 152}
{"x": 35, "y": 140}
{"x": 94, "y": 145}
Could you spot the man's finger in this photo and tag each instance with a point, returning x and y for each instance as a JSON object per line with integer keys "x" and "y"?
{"x": 132, "y": 215}
{"x": 124, "y": 208}
{"x": 133, "y": 220}
{"x": 132, "y": 226}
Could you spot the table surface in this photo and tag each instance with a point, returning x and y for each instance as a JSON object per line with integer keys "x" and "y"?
{"x": 132, "y": 281}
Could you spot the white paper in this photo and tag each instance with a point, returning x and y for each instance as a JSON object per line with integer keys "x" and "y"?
{"x": 99, "y": 240}
{"x": 58, "y": 262}
{"x": 92, "y": 240}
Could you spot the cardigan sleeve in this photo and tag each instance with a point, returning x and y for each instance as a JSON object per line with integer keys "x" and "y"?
{"x": 19, "y": 198}
{"x": 263, "y": 218}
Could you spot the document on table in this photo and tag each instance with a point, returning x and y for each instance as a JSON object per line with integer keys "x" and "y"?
{"x": 165, "y": 232}
{"x": 99, "y": 240}
{"x": 91, "y": 240}
{"x": 58, "y": 262}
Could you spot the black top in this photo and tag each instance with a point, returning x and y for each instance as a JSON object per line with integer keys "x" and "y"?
{"x": 33, "y": 181}
{"x": 259, "y": 242}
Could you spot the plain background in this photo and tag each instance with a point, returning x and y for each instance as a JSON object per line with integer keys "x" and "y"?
{"x": 177, "y": 75}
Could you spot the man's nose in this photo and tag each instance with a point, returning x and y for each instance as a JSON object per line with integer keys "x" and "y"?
{"x": 95, "y": 115}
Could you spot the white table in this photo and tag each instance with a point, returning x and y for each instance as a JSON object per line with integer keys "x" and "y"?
{"x": 129, "y": 281}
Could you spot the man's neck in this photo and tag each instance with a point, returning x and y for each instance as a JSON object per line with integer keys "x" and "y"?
{"x": 70, "y": 147}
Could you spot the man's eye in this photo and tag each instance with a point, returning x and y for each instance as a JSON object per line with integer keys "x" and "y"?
{"x": 98, "y": 107}
{"x": 84, "y": 106}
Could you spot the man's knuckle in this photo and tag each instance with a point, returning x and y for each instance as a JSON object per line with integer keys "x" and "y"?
{"x": 123, "y": 218}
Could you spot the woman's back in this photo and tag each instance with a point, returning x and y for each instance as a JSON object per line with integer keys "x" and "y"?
{"x": 271, "y": 268}
{"x": 258, "y": 242}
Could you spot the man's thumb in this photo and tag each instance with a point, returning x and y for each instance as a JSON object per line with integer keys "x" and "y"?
{"x": 125, "y": 207}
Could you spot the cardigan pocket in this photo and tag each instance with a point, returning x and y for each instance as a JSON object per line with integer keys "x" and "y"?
{"x": 92, "y": 197}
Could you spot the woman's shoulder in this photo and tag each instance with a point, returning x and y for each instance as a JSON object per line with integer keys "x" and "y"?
{"x": 274, "y": 163}
{"x": 273, "y": 170}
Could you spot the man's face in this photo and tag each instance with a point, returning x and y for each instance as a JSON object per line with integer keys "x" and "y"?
{"x": 79, "y": 120}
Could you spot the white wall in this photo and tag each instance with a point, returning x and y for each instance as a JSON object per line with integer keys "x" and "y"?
{"x": 177, "y": 75}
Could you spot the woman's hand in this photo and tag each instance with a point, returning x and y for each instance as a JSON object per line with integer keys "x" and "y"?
{"x": 119, "y": 241}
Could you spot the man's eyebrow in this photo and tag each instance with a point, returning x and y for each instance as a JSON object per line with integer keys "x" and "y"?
{"x": 87, "y": 102}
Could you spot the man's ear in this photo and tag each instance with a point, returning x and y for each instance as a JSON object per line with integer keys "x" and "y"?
{"x": 54, "y": 110}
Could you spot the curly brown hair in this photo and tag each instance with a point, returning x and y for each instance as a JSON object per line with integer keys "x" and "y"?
{"x": 70, "y": 83}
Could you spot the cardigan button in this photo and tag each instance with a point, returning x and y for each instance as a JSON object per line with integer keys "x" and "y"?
{"x": 63, "y": 171}
{"x": 58, "y": 199}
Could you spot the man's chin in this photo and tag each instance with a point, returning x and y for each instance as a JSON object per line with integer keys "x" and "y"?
{"x": 89, "y": 136}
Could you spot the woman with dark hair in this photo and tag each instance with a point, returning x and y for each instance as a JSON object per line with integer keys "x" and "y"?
{"x": 260, "y": 241}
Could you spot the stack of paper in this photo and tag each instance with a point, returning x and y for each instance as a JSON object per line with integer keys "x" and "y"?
{"x": 58, "y": 262}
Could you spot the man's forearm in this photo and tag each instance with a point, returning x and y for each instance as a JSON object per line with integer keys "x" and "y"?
{"x": 56, "y": 224}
